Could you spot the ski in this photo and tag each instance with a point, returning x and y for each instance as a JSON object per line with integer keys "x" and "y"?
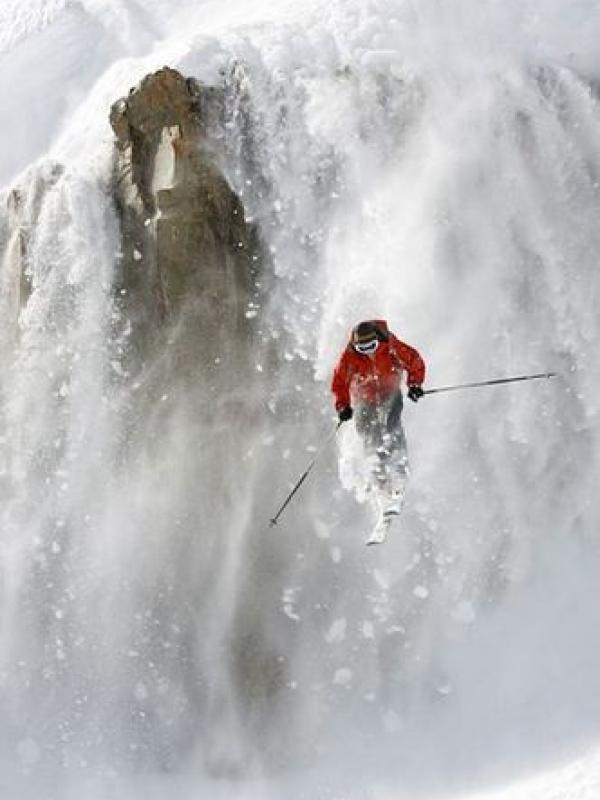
{"x": 380, "y": 532}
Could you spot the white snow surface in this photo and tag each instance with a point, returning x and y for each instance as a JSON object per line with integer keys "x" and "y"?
{"x": 436, "y": 164}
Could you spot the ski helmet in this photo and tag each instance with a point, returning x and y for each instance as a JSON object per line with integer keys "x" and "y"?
{"x": 365, "y": 338}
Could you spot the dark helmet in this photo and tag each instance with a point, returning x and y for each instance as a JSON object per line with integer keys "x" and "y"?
{"x": 366, "y": 337}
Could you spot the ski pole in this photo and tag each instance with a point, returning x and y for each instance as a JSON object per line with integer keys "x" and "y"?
{"x": 304, "y": 475}
{"x": 491, "y": 383}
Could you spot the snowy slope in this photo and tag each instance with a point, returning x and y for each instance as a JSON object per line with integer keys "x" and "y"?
{"x": 436, "y": 165}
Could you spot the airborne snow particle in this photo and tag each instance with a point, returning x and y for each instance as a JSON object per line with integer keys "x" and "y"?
{"x": 337, "y": 631}
{"x": 342, "y": 676}
{"x": 141, "y": 693}
{"x": 368, "y": 631}
{"x": 288, "y": 610}
{"x": 421, "y": 592}
{"x": 395, "y": 629}
{"x": 382, "y": 578}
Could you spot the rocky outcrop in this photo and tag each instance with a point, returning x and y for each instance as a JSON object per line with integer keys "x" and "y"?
{"x": 16, "y": 284}
{"x": 187, "y": 286}
{"x": 22, "y": 206}
{"x": 188, "y": 256}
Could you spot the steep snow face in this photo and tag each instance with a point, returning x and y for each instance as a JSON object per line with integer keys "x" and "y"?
{"x": 437, "y": 167}
{"x": 459, "y": 202}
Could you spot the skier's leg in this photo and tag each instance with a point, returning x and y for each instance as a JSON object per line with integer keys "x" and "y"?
{"x": 397, "y": 460}
{"x": 396, "y": 437}
{"x": 370, "y": 425}
{"x": 394, "y": 412}
{"x": 367, "y": 426}
{"x": 379, "y": 436}
{"x": 385, "y": 501}
{"x": 380, "y": 445}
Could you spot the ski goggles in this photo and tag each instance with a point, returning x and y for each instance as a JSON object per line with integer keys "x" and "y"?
{"x": 367, "y": 347}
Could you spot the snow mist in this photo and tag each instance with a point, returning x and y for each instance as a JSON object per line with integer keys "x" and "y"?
{"x": 437, "y": 168}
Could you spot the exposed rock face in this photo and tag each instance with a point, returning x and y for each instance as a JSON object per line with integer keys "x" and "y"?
{"x": 188, "y": 255}
{"x": 23, "y": 207}
{"x": 187, "y": 276}
{"x": 16, "y": 284}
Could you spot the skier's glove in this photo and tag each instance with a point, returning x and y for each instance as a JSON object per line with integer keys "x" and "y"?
{"x": 414, "y": 392}
{"x": 344, "y": 414}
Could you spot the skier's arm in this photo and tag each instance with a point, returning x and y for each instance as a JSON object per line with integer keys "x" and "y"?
{"x": 340, "y": 384}
{"x": 410, "y": 360}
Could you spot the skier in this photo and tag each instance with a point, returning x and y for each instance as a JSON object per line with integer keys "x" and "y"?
{"x": 366, "y": 386}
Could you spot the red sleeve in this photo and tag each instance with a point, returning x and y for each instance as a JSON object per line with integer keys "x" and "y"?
{"x": 340, "y": 384}
{"x": 410, "y": 360}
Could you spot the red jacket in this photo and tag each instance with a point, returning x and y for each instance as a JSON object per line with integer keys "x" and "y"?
{"x": 369, "y": 379}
